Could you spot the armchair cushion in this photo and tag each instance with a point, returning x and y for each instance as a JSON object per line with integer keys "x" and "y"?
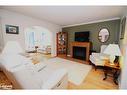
{"x": 98, "y": 58}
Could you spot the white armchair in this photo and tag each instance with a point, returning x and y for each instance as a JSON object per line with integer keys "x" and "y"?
{"x": 97, "y": 59}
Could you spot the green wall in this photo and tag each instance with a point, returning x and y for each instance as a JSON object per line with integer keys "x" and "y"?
{"x": 94, "y": 28}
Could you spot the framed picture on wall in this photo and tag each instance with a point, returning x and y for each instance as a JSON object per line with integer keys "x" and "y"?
{"x": 122, "y": 27}
{"x": 12, "y": 29}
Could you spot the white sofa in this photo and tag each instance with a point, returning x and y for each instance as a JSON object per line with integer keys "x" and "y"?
{"x": 24, "y": 75}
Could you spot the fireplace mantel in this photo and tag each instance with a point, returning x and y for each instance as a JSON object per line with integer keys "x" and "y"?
{"x": 81, "y": 44}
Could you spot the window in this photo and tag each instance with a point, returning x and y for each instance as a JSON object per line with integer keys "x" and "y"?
{"x": 37, "y": 37}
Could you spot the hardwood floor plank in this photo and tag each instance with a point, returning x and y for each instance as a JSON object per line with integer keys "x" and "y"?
{"x": 94, "y": 79}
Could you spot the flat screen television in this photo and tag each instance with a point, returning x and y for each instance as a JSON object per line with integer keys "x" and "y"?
{"x": 82, "y": 36}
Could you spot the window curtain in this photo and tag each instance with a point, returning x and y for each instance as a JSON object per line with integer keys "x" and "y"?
{"x": 29, "y": 40}
{"x": 37, "y": 38}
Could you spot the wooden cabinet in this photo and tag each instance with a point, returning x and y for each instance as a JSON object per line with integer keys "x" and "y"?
{"x": 61, "y": 43}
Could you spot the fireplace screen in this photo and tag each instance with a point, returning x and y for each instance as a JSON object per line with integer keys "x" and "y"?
{"x": 79, "y": 53}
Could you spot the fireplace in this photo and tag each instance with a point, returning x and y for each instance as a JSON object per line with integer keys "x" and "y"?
{"x": 80, "y": 50}
{"x": 79, "y": 53}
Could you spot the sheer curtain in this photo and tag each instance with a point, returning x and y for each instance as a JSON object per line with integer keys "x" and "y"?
{"x": 29, "y": 40}
{"x": 33, "y": 39}
{"x": 37, "y": 37}
{"x": 42, "y": 39}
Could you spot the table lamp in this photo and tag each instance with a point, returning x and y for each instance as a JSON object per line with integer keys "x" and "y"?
{"x": 113, "y": 50}
{"x": 12, "y": 47}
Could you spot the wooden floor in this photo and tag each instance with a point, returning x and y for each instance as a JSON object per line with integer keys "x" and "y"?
{"x": 4, "y": 82}
{"x": 94, "y": 79}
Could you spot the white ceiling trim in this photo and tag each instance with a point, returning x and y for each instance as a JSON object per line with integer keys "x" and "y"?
{"x": 90, "y": 22}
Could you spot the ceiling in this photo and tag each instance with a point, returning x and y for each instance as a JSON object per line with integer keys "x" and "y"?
{"x": 69, "y": 15}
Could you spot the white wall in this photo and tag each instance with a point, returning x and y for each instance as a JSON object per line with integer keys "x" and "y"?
{"x": 123, "y": 45}
{"x": 123, "y": 84}
{"x": 12, "y": 18}
{"x": 1, "y": 37}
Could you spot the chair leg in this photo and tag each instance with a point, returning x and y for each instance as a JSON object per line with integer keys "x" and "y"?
{"x": 93, "y": 65}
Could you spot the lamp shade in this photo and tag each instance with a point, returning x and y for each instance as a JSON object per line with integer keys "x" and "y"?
{"x": 12, "y": 47}
{"x": 112, "y": 49}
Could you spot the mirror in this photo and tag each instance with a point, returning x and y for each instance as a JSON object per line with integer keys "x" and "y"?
{"x": 103, "y": 35}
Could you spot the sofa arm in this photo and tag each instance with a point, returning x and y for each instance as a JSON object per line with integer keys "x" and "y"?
{"x": 58, "y": 80}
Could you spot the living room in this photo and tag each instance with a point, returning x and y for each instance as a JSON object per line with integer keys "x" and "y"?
{"x": 92, "y": 33}
{"x": 106, "y": 28}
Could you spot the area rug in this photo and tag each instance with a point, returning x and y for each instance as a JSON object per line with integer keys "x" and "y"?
{"x": 76, "y": 71}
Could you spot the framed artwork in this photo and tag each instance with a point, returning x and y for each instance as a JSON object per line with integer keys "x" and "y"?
{"x": 122, "y": 28}
{"x": 103, "y": 35}
{"x": 12, "y": 29}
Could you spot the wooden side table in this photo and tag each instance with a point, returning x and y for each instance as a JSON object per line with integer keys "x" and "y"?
{"x": 111, "y": 70}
